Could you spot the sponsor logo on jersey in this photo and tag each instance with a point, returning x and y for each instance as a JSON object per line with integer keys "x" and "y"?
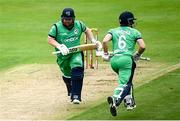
{"x": 70, "y": 39}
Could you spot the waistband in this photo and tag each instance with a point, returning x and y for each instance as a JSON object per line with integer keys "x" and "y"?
{"x": 122, "y": 55}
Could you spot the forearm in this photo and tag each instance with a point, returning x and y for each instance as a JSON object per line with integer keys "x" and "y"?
{"x": 106, "y": 39}
{"x": 53, "y": 42}
{"x": 141, "y": 50}
{"x": 105, "y": 47}
{"x": 142, "y": 46}
{"x": 61, "y": 47}
{"x": 90, "y": 35}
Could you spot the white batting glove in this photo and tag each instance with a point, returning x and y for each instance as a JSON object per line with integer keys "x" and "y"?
{"x": 137, "y": 56}
{"x": 64, "y": 50}
{"x": 106, "y": 57}
{"x": 98, "y": 44}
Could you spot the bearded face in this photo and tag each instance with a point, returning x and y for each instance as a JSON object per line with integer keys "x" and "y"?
{"x": 68, "y": 22}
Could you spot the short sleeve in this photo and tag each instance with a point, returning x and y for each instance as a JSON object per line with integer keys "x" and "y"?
{"x": 83, "y": 26}
{"x": 52, "y": 32}
{"x": 137, "y": 35}
{"x": 110, "y": 32}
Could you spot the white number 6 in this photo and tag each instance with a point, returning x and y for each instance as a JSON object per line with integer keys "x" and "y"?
{"x": 122, "y": 43}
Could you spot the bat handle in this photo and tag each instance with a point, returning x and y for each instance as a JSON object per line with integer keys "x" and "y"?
{"x": 57, "y": 52}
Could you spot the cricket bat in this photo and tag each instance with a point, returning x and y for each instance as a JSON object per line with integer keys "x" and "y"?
{"x": 79, "y": 48}
{"x": 145, "y": 58}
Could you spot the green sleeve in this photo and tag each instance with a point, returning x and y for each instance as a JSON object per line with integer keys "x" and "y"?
{"x": 52, "y": 32}
{"x": 137, "y": 35}
{"x": 110, "y": 32}
{"x": 83, "y": 26}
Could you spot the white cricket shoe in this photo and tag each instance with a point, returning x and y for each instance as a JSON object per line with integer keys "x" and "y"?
{"x": 76, "y": 101}
{"x": 130, "y": 107}
{"x": 129, "y": 102}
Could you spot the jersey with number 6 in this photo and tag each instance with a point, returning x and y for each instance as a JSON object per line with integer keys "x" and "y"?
{"x": 124, "y": 40}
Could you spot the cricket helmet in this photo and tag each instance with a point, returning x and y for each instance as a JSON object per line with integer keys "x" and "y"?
{"x": 126, "y": 18}
{"x": 68, "y": 18}
{"x": 68, "y": 13}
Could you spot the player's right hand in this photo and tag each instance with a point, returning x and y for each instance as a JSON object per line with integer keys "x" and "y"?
{"x": 106, "y": 57}
{"x": 99, "y": 45}
{"x": 136, "y": 56}
{"x": 64, "y": 50}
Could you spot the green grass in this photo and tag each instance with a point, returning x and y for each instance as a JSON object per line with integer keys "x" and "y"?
{"x": 25, "y": 24}
{"x": 157, "y": 100}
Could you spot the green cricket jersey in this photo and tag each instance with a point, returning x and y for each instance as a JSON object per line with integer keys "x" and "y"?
{"x": 70, "y": 38}
{"x": 67, "y": 37}
{"x": 124, "y": 40}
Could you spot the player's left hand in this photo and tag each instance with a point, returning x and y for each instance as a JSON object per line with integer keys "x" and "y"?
{"x": 64, "y": 50}
{"x": 137, "y": 56}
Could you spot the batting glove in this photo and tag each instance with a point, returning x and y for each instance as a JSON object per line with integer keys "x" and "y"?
{"x": 106, "y": 57}
{"x": 64, "y": 50}
{"x": 99, "y": 45}
{"x": 137, "y": 56}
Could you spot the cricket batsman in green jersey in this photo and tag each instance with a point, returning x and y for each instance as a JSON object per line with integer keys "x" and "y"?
{"x": 65, "y": 34}
{"x": 124, "y": 39}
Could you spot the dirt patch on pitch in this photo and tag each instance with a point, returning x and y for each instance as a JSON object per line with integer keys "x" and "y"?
{"x": 37, "y": 91}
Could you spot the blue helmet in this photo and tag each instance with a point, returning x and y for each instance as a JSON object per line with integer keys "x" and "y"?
{"x": 68, "y": 13}
{"x": 126, "y": 18}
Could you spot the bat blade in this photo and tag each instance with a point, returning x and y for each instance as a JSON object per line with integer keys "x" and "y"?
{"x": 145, "y": 58}
{"x": 79, "y": 48}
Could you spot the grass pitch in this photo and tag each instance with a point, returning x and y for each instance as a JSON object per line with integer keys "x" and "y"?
{"x": 157, "y": 100}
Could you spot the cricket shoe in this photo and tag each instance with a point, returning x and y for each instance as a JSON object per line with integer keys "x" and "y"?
{"x": 76, "y": 101}
{"x": 112, "y": 105}
{"x": 130, "y": 107}
{"x": 129, "y": 102}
